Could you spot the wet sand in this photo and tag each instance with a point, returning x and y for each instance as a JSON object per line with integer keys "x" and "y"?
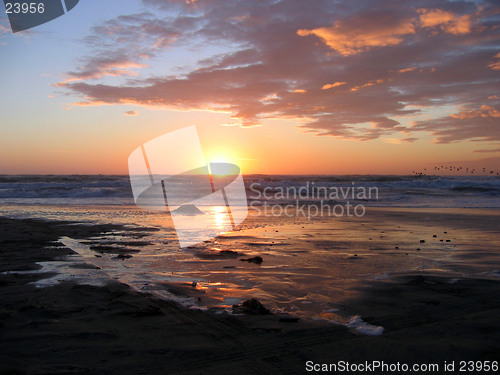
{"x": 429, "y": 315}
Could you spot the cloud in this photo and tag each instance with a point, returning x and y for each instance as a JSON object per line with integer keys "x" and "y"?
{"x": 478, "y": 124}
{"x": 488, "y": 150}
{"x": 406, "y": 70}
{"x": 367, "y": 84}
{"x": 363, "y": 31}
{"x": 398, "y": 141}
{"x": 339, "y": 69}
{"x": 6, "y": 31}
{"x": 485, "y": 111}
{"x": 495, "y": 65}
{"x": 332, "y": 85}
{"x": 101, "y": 66}
{"x": 123, "y": 45}
{"x": 131, "y": 113}
{"x": 449, "y": 22}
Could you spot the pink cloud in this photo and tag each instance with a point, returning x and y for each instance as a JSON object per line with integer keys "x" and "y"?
{"x": 102, "y": 67}
{"x": 478, "y": 124}
{"x": 367, "y": 84}
{"x": 275, "y": 72}
{"x": 123, "y": 45}
{"x": 332, "y": 85}
{"x": 448, "y": 21}
{"x": 484, "y": 111}
{"x": 406, "y": 70}
{"x": 495, "y": 65}
{"x": 488, "y": 150}
{"x": 363, "y": 31}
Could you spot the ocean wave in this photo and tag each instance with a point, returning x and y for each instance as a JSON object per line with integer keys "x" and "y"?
{"x": 64, "y": 186}
{"x": 419, "y": 191}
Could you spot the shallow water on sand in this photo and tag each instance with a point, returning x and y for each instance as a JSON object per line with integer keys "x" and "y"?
{"x": 308, "y": 267}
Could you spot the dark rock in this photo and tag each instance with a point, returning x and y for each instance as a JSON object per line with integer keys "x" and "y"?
{"x": 251, "y": 307}
{"x": 256, "y": 260}
{"x": 422, "y": 241}
{"x": 289, "y": 319}
{"x": 122, "y": 256}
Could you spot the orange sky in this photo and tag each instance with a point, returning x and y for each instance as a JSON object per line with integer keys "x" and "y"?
{"x": 277, "y": 88}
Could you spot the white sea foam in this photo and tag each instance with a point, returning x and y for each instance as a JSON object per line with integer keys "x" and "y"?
{"x": 358, "y": 325}
{"x": 381, "y": 276}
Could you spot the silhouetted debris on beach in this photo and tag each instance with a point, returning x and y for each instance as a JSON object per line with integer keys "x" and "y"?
{"x": 251, "y": 307}
{"x": 289, "y": 319}
{"x": 256, "y": 260}
{"x": 122, "y": 256}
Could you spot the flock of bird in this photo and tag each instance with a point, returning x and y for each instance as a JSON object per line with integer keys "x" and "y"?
{"x": 444, "y": 169}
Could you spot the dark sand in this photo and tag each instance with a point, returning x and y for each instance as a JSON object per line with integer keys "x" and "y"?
{"x": 74, "y": 329}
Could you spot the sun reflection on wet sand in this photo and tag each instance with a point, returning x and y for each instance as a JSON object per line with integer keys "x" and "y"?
{"x": 220, "y": 217}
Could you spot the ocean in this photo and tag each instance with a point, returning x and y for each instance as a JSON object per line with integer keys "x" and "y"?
{"x": 393, "y": 191}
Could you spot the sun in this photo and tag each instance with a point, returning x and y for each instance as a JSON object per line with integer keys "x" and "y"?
{"x": 220, "y": 160}
{"x": 222, "y": 166}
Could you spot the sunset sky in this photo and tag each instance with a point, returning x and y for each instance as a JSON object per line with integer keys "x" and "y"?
{"x": 278, "y": 87}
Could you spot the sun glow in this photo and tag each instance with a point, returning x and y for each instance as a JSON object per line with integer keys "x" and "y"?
{"x": 223, "y": 166}
{"x": 219, "y": 160}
